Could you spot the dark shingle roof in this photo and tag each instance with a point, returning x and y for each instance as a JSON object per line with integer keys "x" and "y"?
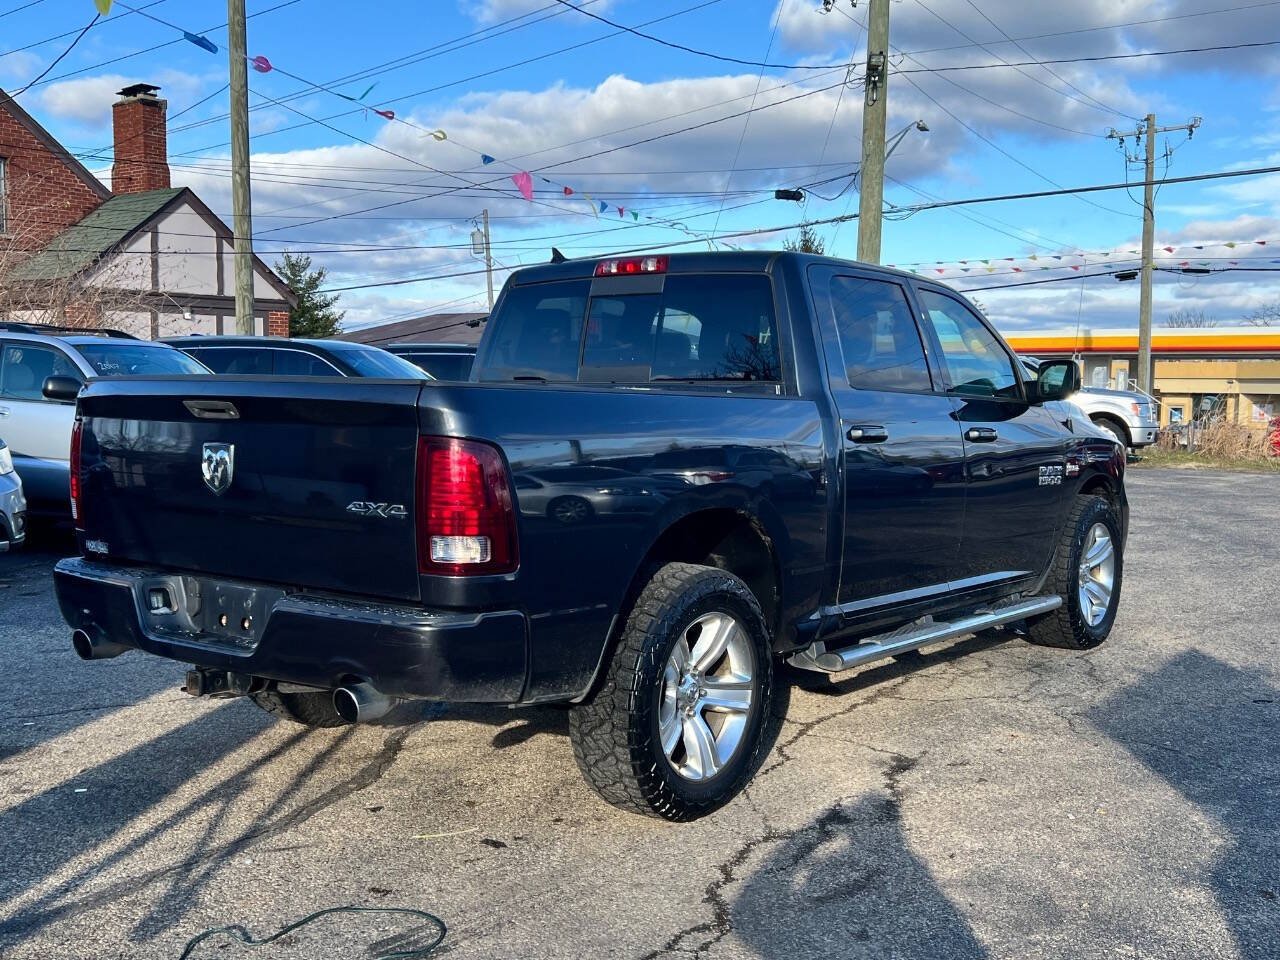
{"x": 82, "y": 244}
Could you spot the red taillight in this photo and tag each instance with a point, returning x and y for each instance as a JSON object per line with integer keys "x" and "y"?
{"x": 621, "y": 268}
{"x": 466, "y": 520}
{"x": 77, "y": 430}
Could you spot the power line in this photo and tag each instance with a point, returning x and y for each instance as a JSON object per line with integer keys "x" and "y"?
{"x": 701, "y": 53}
{"x": 1094, "y": 59}
{"x": 58, "y": 59}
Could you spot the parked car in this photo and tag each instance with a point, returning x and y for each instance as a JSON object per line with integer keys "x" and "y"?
{"x": 444, "y": 361}
{"x": 326, "y": 552}
{"x": 1127, "y": 415}
{"x": 13, "y": 505}
{"x": 277, "y": 357}
{"x": 37, "y": 424}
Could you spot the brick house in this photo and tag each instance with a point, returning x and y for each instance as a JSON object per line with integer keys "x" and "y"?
{"x": 143, "y": 256}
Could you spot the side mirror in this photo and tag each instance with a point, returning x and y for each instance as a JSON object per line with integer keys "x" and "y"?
{"x": 65, "y": 389}
{"x": 1056, "y": 380}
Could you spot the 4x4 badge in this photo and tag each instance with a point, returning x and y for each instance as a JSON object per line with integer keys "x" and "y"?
{"x": 218, "y": 465}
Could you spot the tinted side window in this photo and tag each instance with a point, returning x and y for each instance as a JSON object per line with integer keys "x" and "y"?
{"x": 295, "y": 363}
{"x": 235, "y": 360}
{"x": 25, "y": 367}
{"x": 442, "y": 366}
{"x": 879, "y": 339}
{"x": 701, "y": 327}
{"x": 976, "y": 362}
{"x": 539, "y": 332}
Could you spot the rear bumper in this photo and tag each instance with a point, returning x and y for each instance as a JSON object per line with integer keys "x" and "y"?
{"x": 316, "y": 641}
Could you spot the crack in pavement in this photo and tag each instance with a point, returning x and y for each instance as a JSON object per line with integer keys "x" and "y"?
{"x": 808, "y": 838}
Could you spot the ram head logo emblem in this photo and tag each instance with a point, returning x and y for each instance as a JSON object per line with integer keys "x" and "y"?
{"x": 218, "y": 465}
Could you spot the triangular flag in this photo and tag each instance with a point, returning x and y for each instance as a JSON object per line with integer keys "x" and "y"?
{"x": 621, "y": 212}
{"x": 486, "y": 159}
{"x": 603, "y": 206}
{"x": 439, "y": 135}
{"x": 1017, "y": 269}
{"x": 1201, "y": 247}
{"x": 524, "y": 183}
{"x": 367, "y": 90}
{"x": 104, "y": 6}
{"x": 385, "y": 114}
{"x": 1033, "y": 257}
{"x": 1261, "y": 243}
{"x": 634, "y": 215}
{"x": 986, "y": 261}
{"x": 1168, "y": 249}
{"x": 1075, "y": 266}
{"x": 1185, "y": 263}
{"x": 259, "y": 63}
{"x": 1231, "y": 244}
{"x": 568, "y": 191}
{"x": 939, "y": 269}
{"x": 202, "y": 42}
{"x": 595, "y": 212}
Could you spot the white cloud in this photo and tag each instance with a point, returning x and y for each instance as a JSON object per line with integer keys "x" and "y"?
{"x": 19, "y": 66}
{"x": 86, "y": 101}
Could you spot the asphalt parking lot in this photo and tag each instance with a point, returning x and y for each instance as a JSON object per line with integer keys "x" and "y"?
{"x": 985, "y": 799}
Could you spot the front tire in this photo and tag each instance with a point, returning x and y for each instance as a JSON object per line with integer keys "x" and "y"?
{"x": 677, "y": 728}
{"x": 1088, "y": 569}
{"x": 1108, "y": 425}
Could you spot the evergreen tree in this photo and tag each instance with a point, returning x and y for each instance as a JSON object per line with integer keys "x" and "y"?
{"x": 807, "y": 242}
{"x": 313, "y": 316}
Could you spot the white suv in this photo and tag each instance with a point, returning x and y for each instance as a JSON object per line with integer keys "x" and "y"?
{"x": 36, "y": 423}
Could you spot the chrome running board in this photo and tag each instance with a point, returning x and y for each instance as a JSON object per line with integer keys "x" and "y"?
{"x": 917, "y": 634}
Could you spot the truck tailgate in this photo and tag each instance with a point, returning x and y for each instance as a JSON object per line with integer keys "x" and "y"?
{"x": 309, "y": 482}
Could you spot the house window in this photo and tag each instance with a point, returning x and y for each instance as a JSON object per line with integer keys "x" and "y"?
{"x": 4, "y": 196}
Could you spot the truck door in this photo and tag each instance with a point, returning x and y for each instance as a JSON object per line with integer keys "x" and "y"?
{"x": 38, "y": 431}
{"x": 1015, "y": 451}
{"x": 902, "y": 458}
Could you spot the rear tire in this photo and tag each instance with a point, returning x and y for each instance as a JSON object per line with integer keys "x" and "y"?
{"x": 695, "y": 641}
{"x": 1086, "y": 570}
{"x": 311, "y": 709}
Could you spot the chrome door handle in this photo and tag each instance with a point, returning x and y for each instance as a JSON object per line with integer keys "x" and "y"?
{"x": 980, "y": 434}
{"x": 867, "y": 433}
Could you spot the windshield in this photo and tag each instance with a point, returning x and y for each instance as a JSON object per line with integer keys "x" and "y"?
{"x": 375, "y": 362}
{"x": 116, "y": 359}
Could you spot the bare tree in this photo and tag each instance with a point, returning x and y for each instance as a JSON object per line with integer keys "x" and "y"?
{"x": 1267, "y": 315}
{"x": 807, "y": 242}
{"x": 99, "y": 296}
{"x": 1187, "y": 317}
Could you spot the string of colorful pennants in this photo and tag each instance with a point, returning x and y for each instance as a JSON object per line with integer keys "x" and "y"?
{"x": 522, "y": 180}
{"x": 1033, "y": 262}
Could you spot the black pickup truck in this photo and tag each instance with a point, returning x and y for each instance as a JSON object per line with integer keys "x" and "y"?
{"x": 665, "y": 474}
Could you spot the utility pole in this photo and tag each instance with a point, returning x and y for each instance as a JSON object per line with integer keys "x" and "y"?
{"x": 1149, "y": 130}
{"x": 488, "y": 257}
{"x": 242, "y": 219}
{"x": 871, "y": 175}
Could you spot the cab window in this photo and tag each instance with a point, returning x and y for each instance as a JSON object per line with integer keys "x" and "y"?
{"x": 976, "y": 362}
{"x": 878, "y": 336}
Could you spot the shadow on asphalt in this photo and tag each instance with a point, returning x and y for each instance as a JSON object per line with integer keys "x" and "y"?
{"x": 1201, "y": 725}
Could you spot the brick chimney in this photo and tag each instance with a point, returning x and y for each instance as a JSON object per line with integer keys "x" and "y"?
{"x": 141, "y": 141}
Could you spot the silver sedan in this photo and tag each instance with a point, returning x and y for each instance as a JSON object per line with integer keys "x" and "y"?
{"x": 13, "y": 505}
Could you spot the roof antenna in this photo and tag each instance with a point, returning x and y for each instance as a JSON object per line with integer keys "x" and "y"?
{"x": 557, "y": 256}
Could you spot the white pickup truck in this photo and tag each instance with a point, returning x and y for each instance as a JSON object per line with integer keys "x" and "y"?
{"x": 1127, "y": 415}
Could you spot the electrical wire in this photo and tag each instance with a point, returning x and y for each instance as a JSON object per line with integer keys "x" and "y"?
{"x": 762, "y": 64}
{"x": 1099, "y": 58}
{"x": 58, "y": 59}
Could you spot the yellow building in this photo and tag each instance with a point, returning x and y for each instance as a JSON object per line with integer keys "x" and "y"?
{"x": 1233, "y": 372}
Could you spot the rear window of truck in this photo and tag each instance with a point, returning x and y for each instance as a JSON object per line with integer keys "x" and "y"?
{"x": 700, "y": 328}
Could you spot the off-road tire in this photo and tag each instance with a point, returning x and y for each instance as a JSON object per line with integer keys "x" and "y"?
{"x": 615, "y": 732}
{"x": 1067, "y": 627}
{"x": 309, "y": 709}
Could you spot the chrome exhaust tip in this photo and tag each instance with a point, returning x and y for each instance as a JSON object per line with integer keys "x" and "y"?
{"x": 361, "y": 702}
{"x": 88, "y": 647}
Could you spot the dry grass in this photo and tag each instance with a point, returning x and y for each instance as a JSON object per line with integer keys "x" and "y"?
{"x": 1221, "y": 446}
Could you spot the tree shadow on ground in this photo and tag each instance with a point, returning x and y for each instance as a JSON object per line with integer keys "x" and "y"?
{"x": 1210, "y": 731}
{"x": 845, "y": 885}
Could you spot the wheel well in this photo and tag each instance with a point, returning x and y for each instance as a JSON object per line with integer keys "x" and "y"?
{"x": 728, "y": 539}
{"x": 1111, "y": 418}
{"x": 1101, "y": 487}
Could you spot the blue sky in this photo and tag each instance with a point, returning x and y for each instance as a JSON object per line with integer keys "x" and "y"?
{"x": 1039, "y": 125}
